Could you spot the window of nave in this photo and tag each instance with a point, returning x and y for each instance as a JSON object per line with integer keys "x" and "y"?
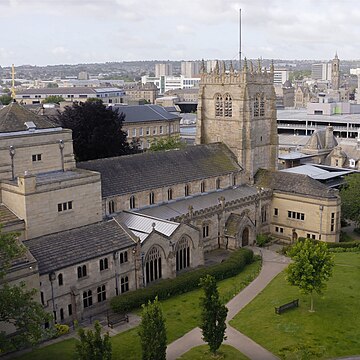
{"x": 182, "y": 254}
{"x": 151, "y": 198}
{"x": 132, "y": 202}
{"x": 81, "y": 271}
{"x": 111, "y": 206}
{"x": 228, "y": 106}
{"x": 153, "y": 265}
{"x": 219, "y": 111}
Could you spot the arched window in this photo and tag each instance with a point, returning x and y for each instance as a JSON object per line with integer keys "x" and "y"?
{"x": 182, "y": 254}
{"x": 103, "y": 263}
{"x": 111, "y": 206}
{"x": 132, "y": 202}
{"x": 81, "y": 271}
{"x": 60, "y": 279}
{"x": 187, "y": 190}
{"x": 170, "y": 194}
{"x": 202, "y": 186}
{"x": 228, "y": 106}
{"x": 262, "y": 105}
{"x": 153, "y": 269}
{"x": 61, "y": 314}
{"x": 219, "y": 111}
{"x": 257, "y": 105}
{"x": 152, "y": 198}
{"x": 218, "y": 183}
{"x": 234, "y": 180}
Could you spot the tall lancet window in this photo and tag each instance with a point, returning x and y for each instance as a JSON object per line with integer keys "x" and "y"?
{"x": 219, "y": 110}
{"x": 228, "y": 106}
{"x": 262, "y": 105}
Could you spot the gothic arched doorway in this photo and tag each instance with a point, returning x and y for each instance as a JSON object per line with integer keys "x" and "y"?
{"x": 245, "y": 237}
{"x": 294, "y": 236}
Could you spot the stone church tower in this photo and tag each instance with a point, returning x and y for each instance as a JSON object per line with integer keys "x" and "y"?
{"x": 238, "y": 109}
{"x": 335, "y": 73}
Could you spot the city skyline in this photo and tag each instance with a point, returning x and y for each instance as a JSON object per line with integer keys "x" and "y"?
{"x": 50, "y": 32}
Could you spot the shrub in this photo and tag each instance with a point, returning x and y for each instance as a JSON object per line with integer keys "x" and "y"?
{"x": 183, "y": 282}
{"x": 262, "y": 239}
{"x": 61, "y": 329}
{"x": 357, "y": 231}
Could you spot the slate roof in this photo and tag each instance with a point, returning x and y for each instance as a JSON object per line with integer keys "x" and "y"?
{"x": 293, "y": 183}
{"x": 144, "y": 113}
{"x": 66, "y": 90}
{"x": 151, "y": 170}
{"x": 317, "y": 141}
{"x": 173, "y": 209}
{"x": 7, "y": 217}
{"x": 66, "y": 248}
{"x": 14, "y": 116}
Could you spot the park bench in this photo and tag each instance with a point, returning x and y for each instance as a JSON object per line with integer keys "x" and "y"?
{"x": 279, "y": 310}
{"x": 115, "y": 318}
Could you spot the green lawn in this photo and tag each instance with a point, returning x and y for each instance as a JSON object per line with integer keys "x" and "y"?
{"x": 202, "y": 353}
{"x": 332, "y": 331}
{"x": 181, "y": 312}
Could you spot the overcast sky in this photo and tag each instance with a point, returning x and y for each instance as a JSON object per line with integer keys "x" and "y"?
{"x": 40, "y": 32}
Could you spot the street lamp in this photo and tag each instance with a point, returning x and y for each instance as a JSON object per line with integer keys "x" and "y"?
{"x": 12, "y": 154}
{"x": 52, "y": 277}
{"x": 61, "y": 147}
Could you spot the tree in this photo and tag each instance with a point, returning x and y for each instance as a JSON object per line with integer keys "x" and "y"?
{"x": 213, "y": 314}
{"x": 166, "y": 143}
{"x": 52, "y": 85}
{"x": 5, "y": 99}
{"x": 350, "y": 199}
{"x": 311, "y": 267}
{"x": 53, "y": 99}
{"x": 92, "y": 345}
{"x": 17, "y": 305}
{"x": 97, "y": 130}
{"x": 152, "y": 332}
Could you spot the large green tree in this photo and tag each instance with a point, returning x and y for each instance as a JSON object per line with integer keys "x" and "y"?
{"x": 166, "y": 143}
{"x": 213, "y": 314}
{"x": 93, "y": 346}
{"x": 18, "y": 307}
{"x": 53, "y": 99}
{"x": 350, "y": 198}
{"x": 97, "y": 130}
{"x": 5, "y": 99}
{"x": 152, "y": 332}
{"x": 311, "y": 267}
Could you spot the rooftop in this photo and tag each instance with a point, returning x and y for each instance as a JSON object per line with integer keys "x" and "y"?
{"x": 145, "y": 113}
{"x": 142, "y": 225}
{"x": 293, "y": 183}
{"x": 57, "y": 251}
{"x": 173, "y": 209}
{"x": 152, "y": 170}
{"x": 14, "y": 116}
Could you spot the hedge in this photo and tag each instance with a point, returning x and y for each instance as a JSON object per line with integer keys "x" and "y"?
{"x": 182, "y": 283}
{"x": 344, "y": 245}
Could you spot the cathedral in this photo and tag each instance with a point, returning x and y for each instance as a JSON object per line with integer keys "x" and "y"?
{"x": 98, "y": 229}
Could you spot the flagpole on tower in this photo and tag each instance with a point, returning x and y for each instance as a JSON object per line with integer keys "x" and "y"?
{"x": 240, "y": 65}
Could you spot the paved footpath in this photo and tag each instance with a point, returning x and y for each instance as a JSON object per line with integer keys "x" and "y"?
{"x": 273, "y": 264}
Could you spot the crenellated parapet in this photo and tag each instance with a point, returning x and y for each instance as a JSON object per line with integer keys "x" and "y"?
{"x": 248, "y": 74}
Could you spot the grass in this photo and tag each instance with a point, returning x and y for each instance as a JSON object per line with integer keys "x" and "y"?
{"x": 182, "y": 313}
{"x": 331, "y": 331}
{"x": 224, "y": 352}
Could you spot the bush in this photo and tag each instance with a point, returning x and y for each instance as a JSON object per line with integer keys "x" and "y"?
{"x": 182, "y": 283}
{"x": 357, "y": 231}
{"x": 345, "y": 245}
{"x": 262, "y": 239}
{"x": 61, "y": 329}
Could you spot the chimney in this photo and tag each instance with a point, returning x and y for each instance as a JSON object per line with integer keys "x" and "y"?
{"x": 329, "y": 137}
